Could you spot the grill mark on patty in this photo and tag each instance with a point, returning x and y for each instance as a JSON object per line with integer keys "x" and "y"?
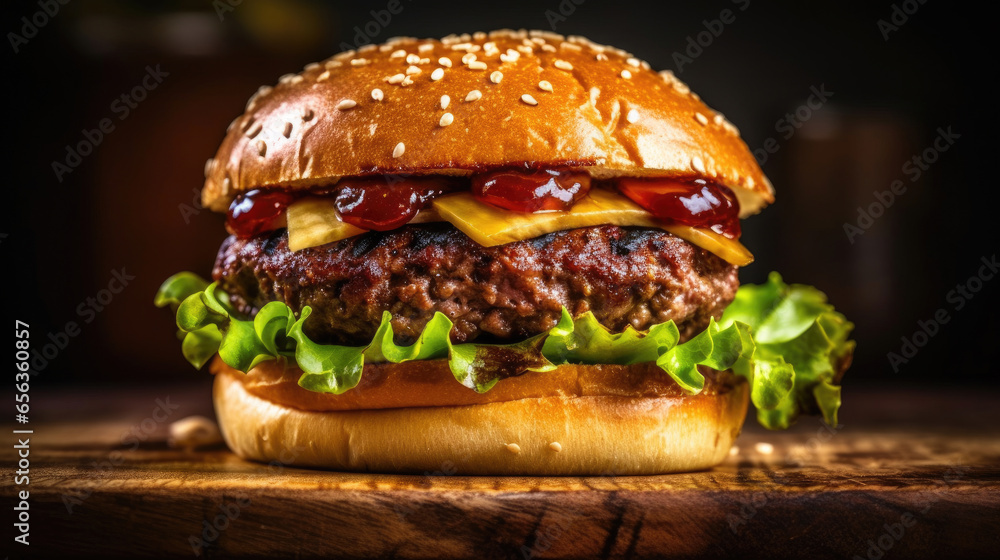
{"x": 626, "y": 276}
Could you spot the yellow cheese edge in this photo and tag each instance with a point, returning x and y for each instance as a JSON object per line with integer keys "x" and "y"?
{"x": 314, "y": 221}
{"x": 489, "y": 225}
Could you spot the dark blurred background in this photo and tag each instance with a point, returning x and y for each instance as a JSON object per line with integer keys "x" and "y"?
{"x": 131, "y": 203}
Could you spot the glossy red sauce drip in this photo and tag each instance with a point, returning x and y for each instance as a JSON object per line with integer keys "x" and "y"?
{"x": 382, "y": 204}
{"x": 693, "y": 202}
{"x": 531, "y": 190}
{"x": 257, "y": 211}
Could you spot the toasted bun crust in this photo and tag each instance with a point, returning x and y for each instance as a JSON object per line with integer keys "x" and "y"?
{"x": 606, "y": 112}
{"x": 431, "y": 383}
{"x": 596, "y": 435}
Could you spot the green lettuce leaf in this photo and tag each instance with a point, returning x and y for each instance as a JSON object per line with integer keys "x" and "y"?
{"x": 802, "y": 350}
{"x": 786, "y": 340}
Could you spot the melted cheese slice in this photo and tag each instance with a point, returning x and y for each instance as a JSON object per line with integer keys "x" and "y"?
{"x": 314, "y": 221}
{"x": 489, "y": 225}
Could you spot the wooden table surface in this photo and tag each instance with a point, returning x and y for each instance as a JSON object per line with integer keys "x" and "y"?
{"x": 913, "y": 474}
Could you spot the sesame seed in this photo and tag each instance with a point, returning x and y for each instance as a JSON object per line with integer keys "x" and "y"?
{"x": 396, "y": 78}
{"x": 346, "y": 104}
{"x": 750, "y": 182}
{"x": 527, "y": 98}
{"x": 524, "y": 49}
{"x": 445, "y": 61}
{"x": 359, "y": 61}
{"x": 227, "y": 185}
{"x": 548, "y": 48}
{"x": 261, "y": 148}
{"x": 468, "y": 57}
{"x": 398, "y": 150}
{"x": 311, "y": 66}
{"x": 514, "y": 448}
{"x": 426, "y": 47}
{"x": 296, "y": 79}
{"x": 633, "y": 62}
{"x": 570, "y": 46}
{"x": 254, "y": 130}
{"x": 437, "y": 74}
{"x": 632, "y": 116}
{"x": 332, "y": 64}
{"x": 544, "y": 85}
{"x": 701, "y": 118}
{"x": 209, "y": 166}
{"x": 406, "y": 81}
{"x": 697, "y": 164}
{"x": 446, "y": 119}
{"x": 412, "y": 58}
{"x": 474, "y": 95}
{"x": 510, "y": 56}
{"x": 424, "y": 61}
{"x": 562, "y": 65}
{"x": 377, "y": 94}
{"x": 764, "y": 448}
{"x": 413, "y": 70}
{"x": 555, "y": 446}
{"x": 307, "y": 114}
{"x": 477, "y": 65}
{"x": 287, "y": 132}
{"x": 601, "y": 56}
{"x": 495, "y": 77}
{"x": 445, "y": 100}
{"x": 626, "y": 74}
{"x": 324, "y": 76}
{"x": 398, "y": 54}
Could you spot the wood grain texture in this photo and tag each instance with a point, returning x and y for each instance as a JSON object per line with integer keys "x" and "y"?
{"x": 919, "y": 471}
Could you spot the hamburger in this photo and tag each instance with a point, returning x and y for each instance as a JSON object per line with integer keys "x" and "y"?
{"x": 500, "y": 253}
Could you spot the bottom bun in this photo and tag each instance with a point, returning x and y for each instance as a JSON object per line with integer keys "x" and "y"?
{"x": 557, "y": 435}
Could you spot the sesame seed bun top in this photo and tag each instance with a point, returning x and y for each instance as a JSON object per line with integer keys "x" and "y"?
{"x": 474, "y": 102}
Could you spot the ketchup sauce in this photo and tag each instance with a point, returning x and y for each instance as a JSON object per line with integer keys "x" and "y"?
{"x": 257, "y": 211}
{"x": 693, "y": 202}
{"x": 531, "y": 190}
{"x": 379, "y": 203}
{"x": 384, "y": 203}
